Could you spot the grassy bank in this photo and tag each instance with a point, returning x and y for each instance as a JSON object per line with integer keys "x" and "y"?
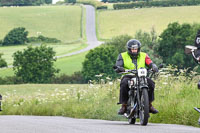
{"x": 175, "y": 99}
{"x": 117, "y": 22}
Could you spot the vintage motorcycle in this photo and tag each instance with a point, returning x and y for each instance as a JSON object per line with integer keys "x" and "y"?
{"x": 138, "y": 102}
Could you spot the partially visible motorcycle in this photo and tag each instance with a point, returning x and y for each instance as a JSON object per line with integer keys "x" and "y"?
{"x": 0, "y": 102}
{"x": 138, "y": 102}
{"x": 191, "y": 50}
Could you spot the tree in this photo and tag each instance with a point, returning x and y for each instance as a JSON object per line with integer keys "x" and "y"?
{"x": 172, "y": 43}
{"x": 16, "y": 36}
{"x": 99, "y": 61}
{"x": 2, "y": 61}
{"x": 35, "y": 65}
{"x": 119, "y": 43}
{"x": 48, "y": 1}
{"x": 149, "y": 43}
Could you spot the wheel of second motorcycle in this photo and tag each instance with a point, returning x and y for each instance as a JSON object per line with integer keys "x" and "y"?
{"x": 132, "y": 120}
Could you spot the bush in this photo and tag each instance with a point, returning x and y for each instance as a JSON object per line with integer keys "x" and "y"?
{"x": 3, "y": 63}
{"x": 102, "y": 7}
{"x": 11, "y": 80}
{"x": 164, "y": 3}
{"x": 76, "y": 78}
{"x": 43, "y": 39}
{"x": 16, "y": 36}
{"x": 99, "y": 61}
{"x": 35, "y": 65}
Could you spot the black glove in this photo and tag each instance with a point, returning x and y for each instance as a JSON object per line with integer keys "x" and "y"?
{"x": 118, "y": 69}
{"x": 154, "y": 67}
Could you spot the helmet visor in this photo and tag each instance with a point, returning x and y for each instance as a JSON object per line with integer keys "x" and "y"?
{"x": 133, "y": 46}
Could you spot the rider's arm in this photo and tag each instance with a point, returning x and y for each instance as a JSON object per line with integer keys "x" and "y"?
{"x": 148, "y": 61}
{"x": 150, "y": 64}
{"x": 119, "y": 63}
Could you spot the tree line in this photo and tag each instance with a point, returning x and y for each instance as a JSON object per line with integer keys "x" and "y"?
{"x": 24, "y": 2}
{"x": 163, "y": 3}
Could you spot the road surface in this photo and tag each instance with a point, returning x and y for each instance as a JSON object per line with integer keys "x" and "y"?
{"x": 52, "y": 124}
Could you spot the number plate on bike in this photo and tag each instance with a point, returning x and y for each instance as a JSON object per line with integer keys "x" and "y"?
{"x": 142, "y": 72}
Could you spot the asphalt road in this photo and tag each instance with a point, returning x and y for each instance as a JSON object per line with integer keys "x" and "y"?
{"x": 90, "y": 32}
{"x": 51, "y": 124}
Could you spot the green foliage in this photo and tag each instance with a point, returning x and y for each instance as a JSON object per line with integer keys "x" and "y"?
{"x": 119, "y": 43}
{"x": 41, "y": 38}
{"x": 35, "y": 65}
{"x": 164, "y": 3}
{"x": 76, "y": 78}
{"x": 150, "y": 44}
{"x": 3, "y": 63}
{"x": 172, "y": 43}
{"x": 70, "y": 1}
{"x": 23, "y": 2}
{"x": 101, "y": 7}
{"x": 99, "y": 61}
{"x": 16, "y": 36}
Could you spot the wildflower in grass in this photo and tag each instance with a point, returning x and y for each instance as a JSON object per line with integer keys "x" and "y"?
{"x": 64, "y": 94}
{"x": 100, "y": 75}
{"x": 91, "y": 85}
{"x": 110, "y": 83}
{"x": 164, "y": 83}
{"x": 108, "y": 78}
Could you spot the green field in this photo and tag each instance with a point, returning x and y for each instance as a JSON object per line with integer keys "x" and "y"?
{"x": 69, "y": 65}
{"x": 66, "y": 23}
{"x": 59, "y": 48}
{"x": 117, "y": 22}
{"x": 61, "y": 22}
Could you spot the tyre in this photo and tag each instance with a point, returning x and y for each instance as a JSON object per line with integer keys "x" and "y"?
{"x": 132, "y": 120}
{"x": 144, "y": 109}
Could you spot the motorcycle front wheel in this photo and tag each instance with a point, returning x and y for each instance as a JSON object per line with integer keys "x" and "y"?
{"x": 144, "y": 109}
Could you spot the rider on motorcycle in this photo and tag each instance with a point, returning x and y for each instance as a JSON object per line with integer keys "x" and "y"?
{"x": 196, "y": 55}
{"x": 129, "y": 60}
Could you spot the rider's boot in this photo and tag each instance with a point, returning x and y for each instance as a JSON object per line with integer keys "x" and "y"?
{"x": 152, "y": 109}
{"x": 122, "y": 110}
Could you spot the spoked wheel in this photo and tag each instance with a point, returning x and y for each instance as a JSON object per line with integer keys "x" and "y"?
{"x": 132, "y": 120}
{"x": 144, "y": 109}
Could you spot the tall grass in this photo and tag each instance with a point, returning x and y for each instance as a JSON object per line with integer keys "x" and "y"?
{"x": 175, "y": 99}
{"x": 117, "y": 22}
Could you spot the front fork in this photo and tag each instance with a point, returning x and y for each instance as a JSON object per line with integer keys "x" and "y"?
{"x": 198, "y": 110}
